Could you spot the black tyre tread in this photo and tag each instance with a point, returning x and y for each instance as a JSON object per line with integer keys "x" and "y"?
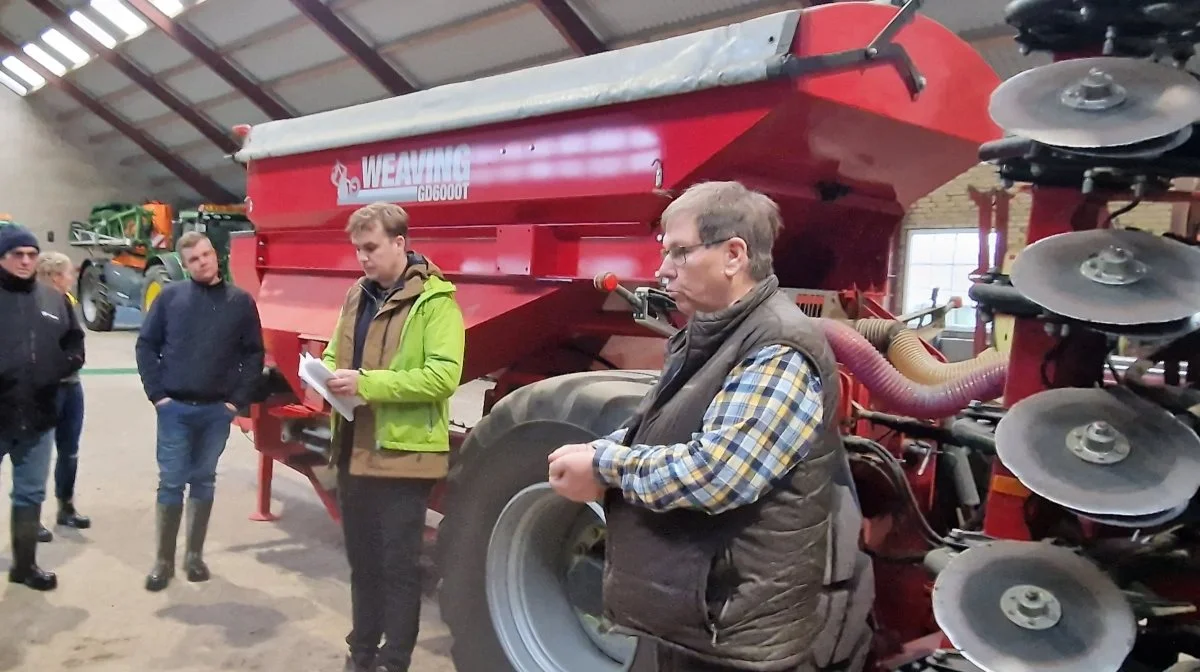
{"x": 489, "y": 469}
{"x": 106, "y": 312}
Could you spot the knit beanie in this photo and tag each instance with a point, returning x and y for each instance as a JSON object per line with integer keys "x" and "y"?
{"x": 13, "y": 236}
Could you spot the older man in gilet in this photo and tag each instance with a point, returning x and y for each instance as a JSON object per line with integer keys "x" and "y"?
{"x": 732, "y": 524}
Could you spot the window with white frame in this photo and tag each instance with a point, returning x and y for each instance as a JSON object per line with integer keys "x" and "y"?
{"x": 942, "y": 259}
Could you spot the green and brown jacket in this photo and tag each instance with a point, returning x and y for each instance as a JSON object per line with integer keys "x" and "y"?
{"x": 411, "y": 361}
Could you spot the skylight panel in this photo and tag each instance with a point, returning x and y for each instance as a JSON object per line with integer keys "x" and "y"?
{"x": 121, "y": 16}
{"x": 38, "y": 54}
{"x": 95, "y": 31}
{"x": 168, "y": 7}
{"x": 13, "y": 85}
{"x": 65, "y": 46}
{"x": 18, "y": 68}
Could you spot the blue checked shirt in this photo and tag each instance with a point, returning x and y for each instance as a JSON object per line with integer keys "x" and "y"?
{"x": 758, "y": 427}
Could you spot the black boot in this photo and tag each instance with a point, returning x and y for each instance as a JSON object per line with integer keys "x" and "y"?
{"x": 359, "y": 663}
{"x": 69, "y": 517}
{"x": 26, "y": 521}
{"x": 193, "y": 561}
{"x": 168, "y": 517}
{"x": 44, "y": 535}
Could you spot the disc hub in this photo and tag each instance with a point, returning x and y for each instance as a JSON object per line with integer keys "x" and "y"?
{"x": 1095, "y": 91}
{"x": 1098, "y": 442}
{"x": 1031, "y": 607}
{"x": 1114, "y": 265}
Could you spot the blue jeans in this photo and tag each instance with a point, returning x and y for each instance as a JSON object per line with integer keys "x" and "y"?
{"x": 191, "y": 438}
{"x": 30, "y": 457}
{"x": 66, "y": 439}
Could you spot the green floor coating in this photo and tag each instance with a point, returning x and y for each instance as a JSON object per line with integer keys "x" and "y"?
{"x": 107, "y": 372}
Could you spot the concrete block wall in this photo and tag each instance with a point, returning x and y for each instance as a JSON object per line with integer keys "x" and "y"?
{"x": 50, "y": 180}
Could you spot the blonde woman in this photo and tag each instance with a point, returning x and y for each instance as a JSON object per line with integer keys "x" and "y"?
{"x": 57, "y": 270}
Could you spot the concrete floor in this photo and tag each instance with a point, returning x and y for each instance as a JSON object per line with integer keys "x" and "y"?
{"x": 279, "y": 599}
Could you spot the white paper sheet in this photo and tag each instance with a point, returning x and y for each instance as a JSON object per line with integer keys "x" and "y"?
{"x": 313, "y": 372}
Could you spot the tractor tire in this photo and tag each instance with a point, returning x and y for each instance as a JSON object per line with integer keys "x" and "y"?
{"x": 97, "y": 311}
{"x": 156, "y": 278}
{"x": 503, "y": 592}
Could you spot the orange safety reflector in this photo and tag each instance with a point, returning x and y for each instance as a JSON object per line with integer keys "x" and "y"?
{"x": 1007, "y": 485}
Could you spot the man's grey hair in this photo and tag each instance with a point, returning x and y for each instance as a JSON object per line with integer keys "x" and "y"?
{"x": 726, "y": 210}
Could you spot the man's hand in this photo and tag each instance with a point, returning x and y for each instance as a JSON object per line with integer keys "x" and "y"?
{"x": 572, "y": 474}
{"x": 569, "y": 448}
{"x": 344, "y": 382}
{"x": 231, "y": 407}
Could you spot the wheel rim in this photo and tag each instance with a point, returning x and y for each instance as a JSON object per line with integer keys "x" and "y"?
{"x": 87, "y": 299}
{"x": 534, "y": 541}
{"x": 152, "y": 291}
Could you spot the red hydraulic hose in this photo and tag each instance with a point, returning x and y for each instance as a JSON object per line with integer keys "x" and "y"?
{"x": 898, "y": 394}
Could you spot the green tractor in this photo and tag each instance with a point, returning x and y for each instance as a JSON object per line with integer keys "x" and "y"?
{"x": 137, "y": 244}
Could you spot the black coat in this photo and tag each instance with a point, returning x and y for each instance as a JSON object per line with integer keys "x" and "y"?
{"x": 41, "y": 342}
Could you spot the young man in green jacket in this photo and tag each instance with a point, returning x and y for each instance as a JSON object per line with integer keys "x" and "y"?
{"x": 398, "y": 345}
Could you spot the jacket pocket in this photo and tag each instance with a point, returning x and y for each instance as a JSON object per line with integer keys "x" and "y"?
{"x": 655, "y": 584}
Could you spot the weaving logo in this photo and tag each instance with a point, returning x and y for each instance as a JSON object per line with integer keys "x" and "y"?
{"x": 412, "y": 176}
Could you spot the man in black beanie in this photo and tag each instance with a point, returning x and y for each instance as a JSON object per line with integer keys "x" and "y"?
{"x": 41, "y": 344}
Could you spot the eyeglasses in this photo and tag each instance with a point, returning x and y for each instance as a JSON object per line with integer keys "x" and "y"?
{"x": 678, "y": 254}
{"x": 19, "y": 253}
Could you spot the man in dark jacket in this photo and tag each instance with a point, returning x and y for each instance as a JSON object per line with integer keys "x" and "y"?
{"x": 40, "y": 344}
{"x": 733, "y": 526}
{"x": 199, "y": 354}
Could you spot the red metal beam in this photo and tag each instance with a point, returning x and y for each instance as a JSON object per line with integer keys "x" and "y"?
{"x": 355, "y": 46}
{"x": 204, "y": 185}
{"x": 209, "y": 56}
{"x": 173, "y": 102}
{"x": 570, "y": 25}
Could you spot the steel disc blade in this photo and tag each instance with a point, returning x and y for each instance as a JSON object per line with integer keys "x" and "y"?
{"x": 1141, "y": 150}
{"x": 1161, "y": 276}
{"x": 1144, "y": 100}
{"x": 1094, "y": 627}
{"x": 1161, "y": 469}
{"x": 1137, "y": 522}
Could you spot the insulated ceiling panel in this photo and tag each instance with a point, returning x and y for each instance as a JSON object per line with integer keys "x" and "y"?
{"x": 285, "y": 54}
{"x": 54, "y": 102}
{"x": 139, "y": 107}
{"x": 233, "y": 112}
{"x": 174, "y": 133}
{"x": 100, "y": 78}
{"x": 155, "y": 51}
{"x": 21, "y": 21}
{"x": 198, "y": 85}
{"x": 345, "y": 87}
{"x": 385, "y": 21}
{"x": 614, "y": 19}
{"x": 225, "y": 21}
{"x": 520, "y": 37}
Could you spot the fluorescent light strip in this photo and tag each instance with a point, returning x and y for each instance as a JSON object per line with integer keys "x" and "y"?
{"x": 121, "y": 16}
{"x": 38, "y": 54}
{"x": 18, "y": 68}
{"x": 13, "y": 84}
{"x": 92, "y": 29}
{"x": 65, "y": 46}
